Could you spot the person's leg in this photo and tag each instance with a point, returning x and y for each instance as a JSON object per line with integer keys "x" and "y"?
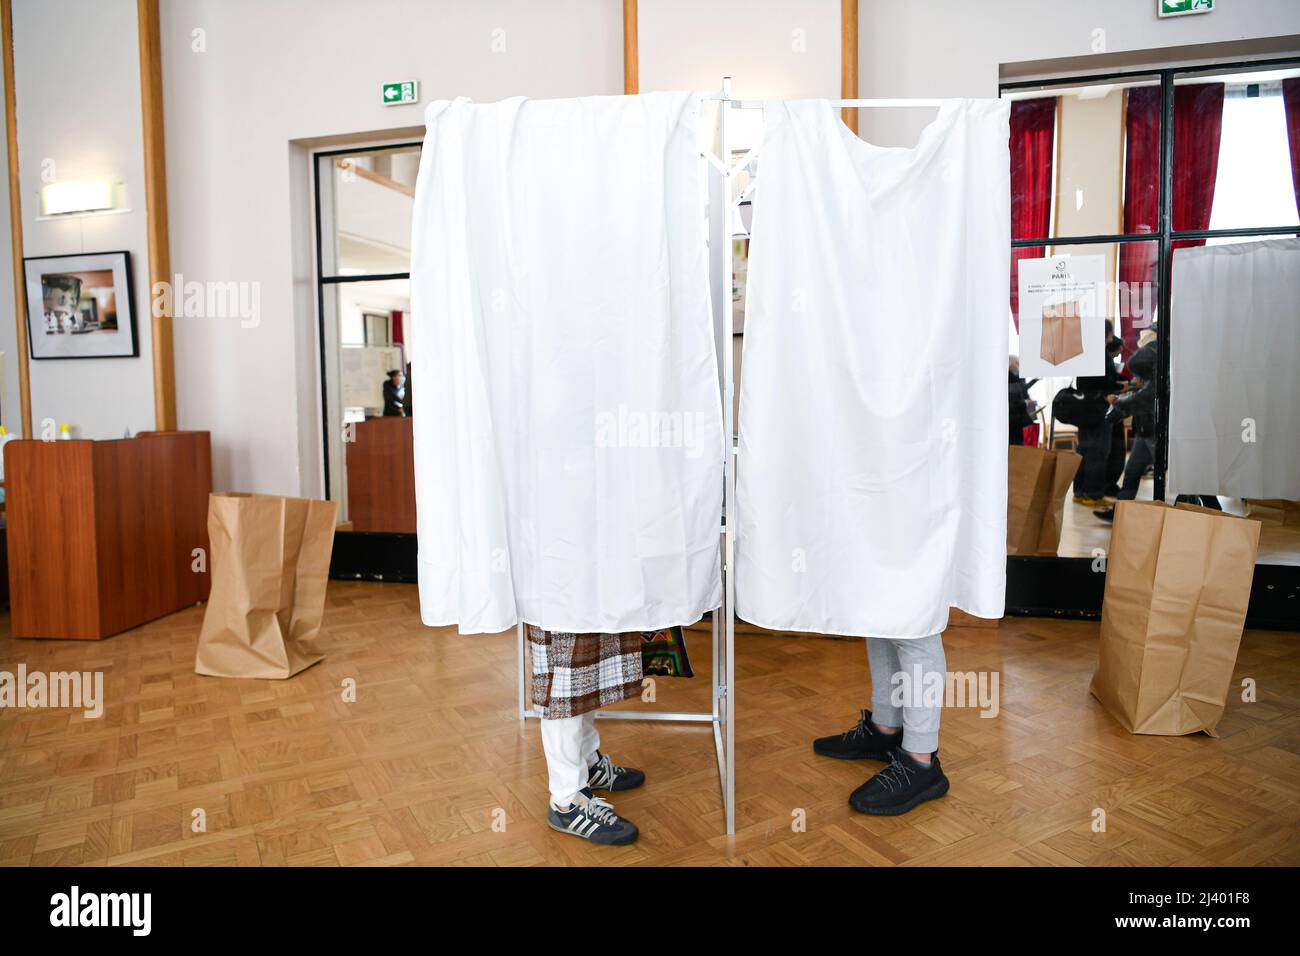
{"x": 590, "y": 738}
{"x": 562, "y": 740}
{"x": 574, "y": 809}
{"x": 568, "y": 738}
{"x": 914, "y": 774}
{"x": 1094, "y": 447}
{"x": 923, "y": 663}
{"x": 882, "y": 660}
{"x": 867, "y": 740}
{"x": 1115, "y": 458}
{"x": 602, "y": 773}
{"x": 1135, "y": 468}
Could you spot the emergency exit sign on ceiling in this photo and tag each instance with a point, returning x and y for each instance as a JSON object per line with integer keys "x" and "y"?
{"x": 397, "y": 94}
{"x": 1180, "y": 8}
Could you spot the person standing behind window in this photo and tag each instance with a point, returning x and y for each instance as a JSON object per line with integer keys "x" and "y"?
{"x": 395, "y": 394}
{"x": 1020, "y": 411}
{"x": 1096, "y": 437}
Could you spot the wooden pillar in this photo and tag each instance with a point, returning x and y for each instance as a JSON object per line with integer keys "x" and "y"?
{"x": 631, "y": 63}
{"x": 16, "y": 220}
{"x": 155, "y": 191}
{"x": 849, "y": 59}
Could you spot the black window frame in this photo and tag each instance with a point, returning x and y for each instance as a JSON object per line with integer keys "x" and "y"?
{"x": 1166, "y": 235}
{"x": 323, "y": 282}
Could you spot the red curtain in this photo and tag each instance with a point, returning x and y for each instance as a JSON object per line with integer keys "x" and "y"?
{"x": 1033, "y": 135}
{"x": 399, "y": 334}
{"x": 1291, "y": 100}
{"x": 1198, "y": 121}
{"x": 1137, "y": 260}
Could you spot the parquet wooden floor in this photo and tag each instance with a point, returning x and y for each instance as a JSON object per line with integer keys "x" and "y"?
{"x": 430, "y": 755}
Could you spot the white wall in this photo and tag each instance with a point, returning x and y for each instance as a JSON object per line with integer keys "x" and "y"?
{"x": 956, "y": 48}
{"x": 770, "y": 48}
{"x": 77, "y": 83}
{"x": 271, "y": 73}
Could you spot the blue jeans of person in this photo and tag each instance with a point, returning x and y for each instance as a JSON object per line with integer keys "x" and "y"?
{"x": 1139, "y": 460}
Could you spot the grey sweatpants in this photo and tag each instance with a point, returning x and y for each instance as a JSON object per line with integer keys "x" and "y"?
{"x": 916, "y": 659}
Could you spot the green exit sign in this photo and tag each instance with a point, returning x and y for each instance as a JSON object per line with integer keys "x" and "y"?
{"x": 1180, "y": 8}
{"x": 396, "y": 94}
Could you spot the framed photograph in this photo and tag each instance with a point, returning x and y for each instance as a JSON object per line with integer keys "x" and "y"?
{"x": 81, "y": 306}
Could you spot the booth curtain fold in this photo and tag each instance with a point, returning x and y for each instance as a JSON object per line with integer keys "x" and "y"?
{"x": 1033, "y": 140}
{"x": 1291, "y": 102}
{"x": 1198, "y": 123}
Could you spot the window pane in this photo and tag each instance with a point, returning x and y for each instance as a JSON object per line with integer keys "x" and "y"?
{"x": 366, "y": 202}
{"x": 1232, "y": 421}
{"x": 1232, "y": 149}
{"x": 1085, "y": 159}
{"x": 1115, "y": 454}
{"x": 365, "y": 325}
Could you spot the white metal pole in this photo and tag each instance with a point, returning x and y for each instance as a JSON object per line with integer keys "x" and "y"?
{"x": 523, "y": 679}
{"x": 727, "y": 691}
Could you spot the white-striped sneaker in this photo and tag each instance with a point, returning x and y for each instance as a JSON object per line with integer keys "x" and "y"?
{"x": 604, "y": 774}
{"x": 592, "y": 819}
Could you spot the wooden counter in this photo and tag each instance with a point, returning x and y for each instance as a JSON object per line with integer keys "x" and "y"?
{"x": 102, "y": 533}
{"x": 381, "y": 476}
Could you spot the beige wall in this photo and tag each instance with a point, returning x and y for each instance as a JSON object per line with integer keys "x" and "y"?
{"x": 1090, "y": 175}
{"x": 959, "y": 48}
{"x": 77, "y": 82}
{"x": 270, "y": 74}
{"x": 10, "y": 410}
{"x": 770, "y": 48}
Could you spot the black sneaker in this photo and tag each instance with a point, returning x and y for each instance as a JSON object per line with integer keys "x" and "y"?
{"x": 863, "y": 742}
{"x": 1106, "y": 514}
{"x": 606, "y": 775}
{"x": 902, "y": 785}
{"x": 592, "y": 819}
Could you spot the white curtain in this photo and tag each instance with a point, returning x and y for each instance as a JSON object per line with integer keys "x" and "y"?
{"x": 872, "y": 474}
{"x": 567, "y": 419}
{"x": 1234, "y": 370}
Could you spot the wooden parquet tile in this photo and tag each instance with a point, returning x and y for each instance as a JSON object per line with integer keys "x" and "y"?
{"x": 428, "y": 766}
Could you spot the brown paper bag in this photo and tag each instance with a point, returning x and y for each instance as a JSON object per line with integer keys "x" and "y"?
{"x": 1037, "y": 482}
{"x": 1286, "y": 513}
{"x": 1062, "y": 334}
{"x": 270, "y": 560}
{"x": 1177, "y": 586}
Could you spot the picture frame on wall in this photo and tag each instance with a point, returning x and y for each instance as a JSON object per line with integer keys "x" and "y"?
{"x": 80, "y": 306}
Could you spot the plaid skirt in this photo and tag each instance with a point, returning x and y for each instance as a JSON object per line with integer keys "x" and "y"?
{"x": 577, "y": 673}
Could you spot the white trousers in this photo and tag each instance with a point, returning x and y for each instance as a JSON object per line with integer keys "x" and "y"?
{"x": 570, "y": 744}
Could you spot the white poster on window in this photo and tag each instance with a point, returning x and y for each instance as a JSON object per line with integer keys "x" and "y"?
{"x": 363, "y": 371}
{"x": 1062, "y": 316}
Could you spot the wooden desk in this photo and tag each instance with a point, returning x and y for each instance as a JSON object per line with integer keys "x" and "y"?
{"x": 381, "y": 476}
{"x": 102, "y": 533}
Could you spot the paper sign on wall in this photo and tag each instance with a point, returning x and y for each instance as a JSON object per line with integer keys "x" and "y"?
{"x": 1062, "y": 316}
